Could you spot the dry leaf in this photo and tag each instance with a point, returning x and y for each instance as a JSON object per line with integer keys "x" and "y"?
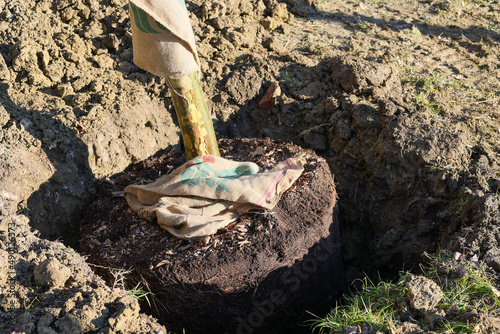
{"x": 258, "y": 151}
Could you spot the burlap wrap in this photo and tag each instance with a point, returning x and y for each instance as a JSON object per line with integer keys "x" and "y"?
{"x": 206, "y": 193}
{"x": 163, "y": 38}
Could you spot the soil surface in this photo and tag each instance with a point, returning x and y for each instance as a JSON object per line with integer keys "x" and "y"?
{"x": 400, "y": 97}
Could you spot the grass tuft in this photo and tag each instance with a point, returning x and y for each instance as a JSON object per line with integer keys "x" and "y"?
{"x": 465, "y": 283}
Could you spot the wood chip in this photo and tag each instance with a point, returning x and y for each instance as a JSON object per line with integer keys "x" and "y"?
{"x": 245, "y": 242}
{"x": 103, "y": 227}
{"x": 206, "y": 247}
{"x": 183, "y": 248}
{"x": 162, "y": 263}
{"x": 241, "y": 229}
{"x": 239, "y": 237}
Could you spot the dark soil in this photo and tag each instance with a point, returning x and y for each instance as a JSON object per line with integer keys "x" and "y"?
{"x": 258, "y": 274}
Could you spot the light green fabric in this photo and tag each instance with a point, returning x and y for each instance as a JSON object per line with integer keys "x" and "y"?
{"x": 206, "y": 193}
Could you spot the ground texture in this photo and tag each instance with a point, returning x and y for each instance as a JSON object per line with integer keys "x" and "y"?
{"x": 400, "y": 97}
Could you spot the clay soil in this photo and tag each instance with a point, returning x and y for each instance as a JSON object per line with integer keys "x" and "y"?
{"x": 399, "y": 97}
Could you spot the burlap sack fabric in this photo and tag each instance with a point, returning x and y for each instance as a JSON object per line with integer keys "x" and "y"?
{"x": 206, "y": 193}
{"x": 163, "y": 40}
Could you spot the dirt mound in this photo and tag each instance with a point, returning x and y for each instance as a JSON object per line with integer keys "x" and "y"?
{"x": 72, "y": 97}
{"x": 49, "y": 288}
{"x": 258, "y": 274}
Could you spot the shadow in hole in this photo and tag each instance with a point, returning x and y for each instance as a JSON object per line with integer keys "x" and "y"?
{"x": 382, "y": 194}
{"x": 54, "y": 208}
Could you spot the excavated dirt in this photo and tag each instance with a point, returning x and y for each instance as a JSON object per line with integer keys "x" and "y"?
{"x": 400, "y": 98}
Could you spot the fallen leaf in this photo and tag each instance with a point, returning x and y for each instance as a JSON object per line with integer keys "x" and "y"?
{"x": 272, "y": 92}
{"x": 258, "y": 151}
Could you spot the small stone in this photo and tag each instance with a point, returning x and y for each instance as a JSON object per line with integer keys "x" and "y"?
{"x": 127, "y": 67}
{"x": 434, "y": 318}
{"x": 25, "y": 124}
{"x": 410, "y": 328}
{"x": 350, "y": 330}
{"x": 141, "y": 77}
{"x": 69, "y": 324}
{"x": 4, "y": 70}
{"x": 269, "y": 24}
{"x": 46, "y": 320}
{"x": 79, "y": 83}
{"x": 64, "y": 89}
{"x": 273, "y": 44}
{"x": 104, "y": 61}
{"x": 423, "y": 293}
{"x": 4, "y": 116}
{"x": 51, "y": 273}
{"x": 26, "y": 323}
{"x": 111, "y": 42}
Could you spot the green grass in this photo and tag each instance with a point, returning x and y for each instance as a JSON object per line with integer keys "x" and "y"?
{"x": 376, "y": 305}
{"x": 138, "y": 293}
{"x": 472, "y": 291}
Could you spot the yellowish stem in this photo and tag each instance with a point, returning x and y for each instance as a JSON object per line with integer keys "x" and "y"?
{"x": 192, "y": 112}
